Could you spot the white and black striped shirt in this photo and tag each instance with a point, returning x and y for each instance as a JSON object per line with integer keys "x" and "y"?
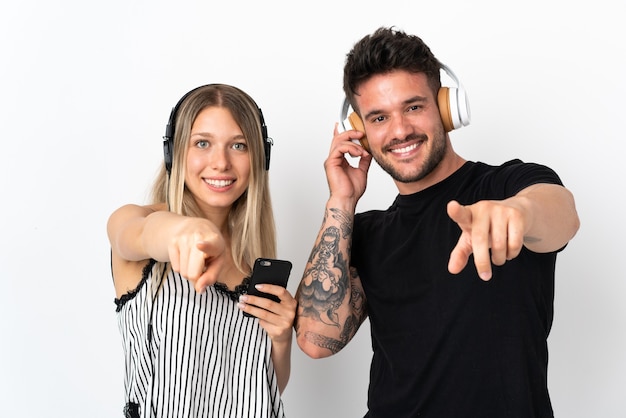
{"x": 193, "y": 355}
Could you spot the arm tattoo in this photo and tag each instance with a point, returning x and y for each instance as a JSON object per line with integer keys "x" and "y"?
{"x": 531, "y": 240}
{"x": 325, "y": 284}
{"x": 357, "y": 299}
{"x": 346, "y": 222}
{"x": 322, "y": 341}
{"x": 350, "y": 327}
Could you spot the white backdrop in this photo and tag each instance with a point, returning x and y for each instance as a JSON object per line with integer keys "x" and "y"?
{"x": 85, "y": 92}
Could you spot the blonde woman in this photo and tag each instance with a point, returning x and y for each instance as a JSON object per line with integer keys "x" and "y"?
{"x": 181, "y": 266}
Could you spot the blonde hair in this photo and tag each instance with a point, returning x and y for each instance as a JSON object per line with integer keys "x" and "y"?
{"x": 251, "y": 218}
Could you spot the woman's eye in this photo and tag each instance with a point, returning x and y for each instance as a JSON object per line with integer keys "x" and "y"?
{"x": 202, "y": 144}
{"x": 240, "y": 146}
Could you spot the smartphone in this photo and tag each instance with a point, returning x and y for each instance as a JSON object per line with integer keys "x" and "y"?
{"x": 268, "y": 271}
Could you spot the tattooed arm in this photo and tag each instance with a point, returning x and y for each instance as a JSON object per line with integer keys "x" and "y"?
{"x": 331, "y": 302}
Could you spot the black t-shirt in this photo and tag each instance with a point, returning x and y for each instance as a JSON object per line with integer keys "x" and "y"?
{"x": 454, "y": 345}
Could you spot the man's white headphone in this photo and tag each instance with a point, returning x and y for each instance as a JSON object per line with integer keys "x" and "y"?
{"x": 453, "y": 107}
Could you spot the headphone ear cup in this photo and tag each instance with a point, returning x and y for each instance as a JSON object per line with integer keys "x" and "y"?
{"x": 357, "y": 124}
{"x": 453, "y": 107}
{"x": 443, "y": 100}
{"x": 168, "y": 139}
{"x": 463, "y": 107}
{"x": 267, "y": 141}
{"x": 267, "y": 145}
{"x": 167, "y": 154}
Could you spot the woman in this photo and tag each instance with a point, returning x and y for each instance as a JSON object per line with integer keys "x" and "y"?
{"x": 181, "y": 265}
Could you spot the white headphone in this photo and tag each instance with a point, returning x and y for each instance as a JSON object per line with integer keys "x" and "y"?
{"x": 453, "y": 103}
{"x": 453, "y": 107}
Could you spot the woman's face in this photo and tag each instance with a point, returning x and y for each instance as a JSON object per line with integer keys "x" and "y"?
{"x": 218, "y": 162}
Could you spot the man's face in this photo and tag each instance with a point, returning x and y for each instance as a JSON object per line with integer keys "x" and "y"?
{"x": 403, "y": 125}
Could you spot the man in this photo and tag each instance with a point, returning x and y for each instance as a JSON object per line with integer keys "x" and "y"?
{"x": 456, "y": 276}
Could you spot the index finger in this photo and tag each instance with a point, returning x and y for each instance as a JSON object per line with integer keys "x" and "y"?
{"x": 272, "y": 289}
{"x": 349, "y": 142}
{"x": 460, "y": 214}
{"x": 212, "y": 249}
{"x": 212, "y": 264}
{"x": 213, "y": 267}
{"x": 478, "y": 229}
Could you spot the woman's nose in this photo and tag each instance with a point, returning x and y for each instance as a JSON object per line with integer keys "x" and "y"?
{"x": 219, "y": 159}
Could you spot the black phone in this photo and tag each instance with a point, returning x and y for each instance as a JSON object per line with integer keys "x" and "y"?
{"x": 268, "y": 271}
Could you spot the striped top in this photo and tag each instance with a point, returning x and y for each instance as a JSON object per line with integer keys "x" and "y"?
{"x": 193, "y": 355}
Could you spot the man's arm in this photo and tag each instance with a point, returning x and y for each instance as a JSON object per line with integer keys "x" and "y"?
{"x": 331, "y": 302}
{"x": 554, "y": 217}
{"x": 541, "y": 217}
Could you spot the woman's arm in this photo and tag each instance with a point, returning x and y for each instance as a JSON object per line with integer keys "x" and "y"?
{"x": 193, "y": 246}
{"x": 276, "y": 318}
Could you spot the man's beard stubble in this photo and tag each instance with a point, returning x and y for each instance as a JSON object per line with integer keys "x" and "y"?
{"x": 431, "y": 161}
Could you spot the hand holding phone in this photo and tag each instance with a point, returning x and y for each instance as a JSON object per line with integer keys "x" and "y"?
{"x": 268, "y": 271}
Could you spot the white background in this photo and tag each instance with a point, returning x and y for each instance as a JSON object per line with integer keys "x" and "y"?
{"x": 85, "y": 92}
